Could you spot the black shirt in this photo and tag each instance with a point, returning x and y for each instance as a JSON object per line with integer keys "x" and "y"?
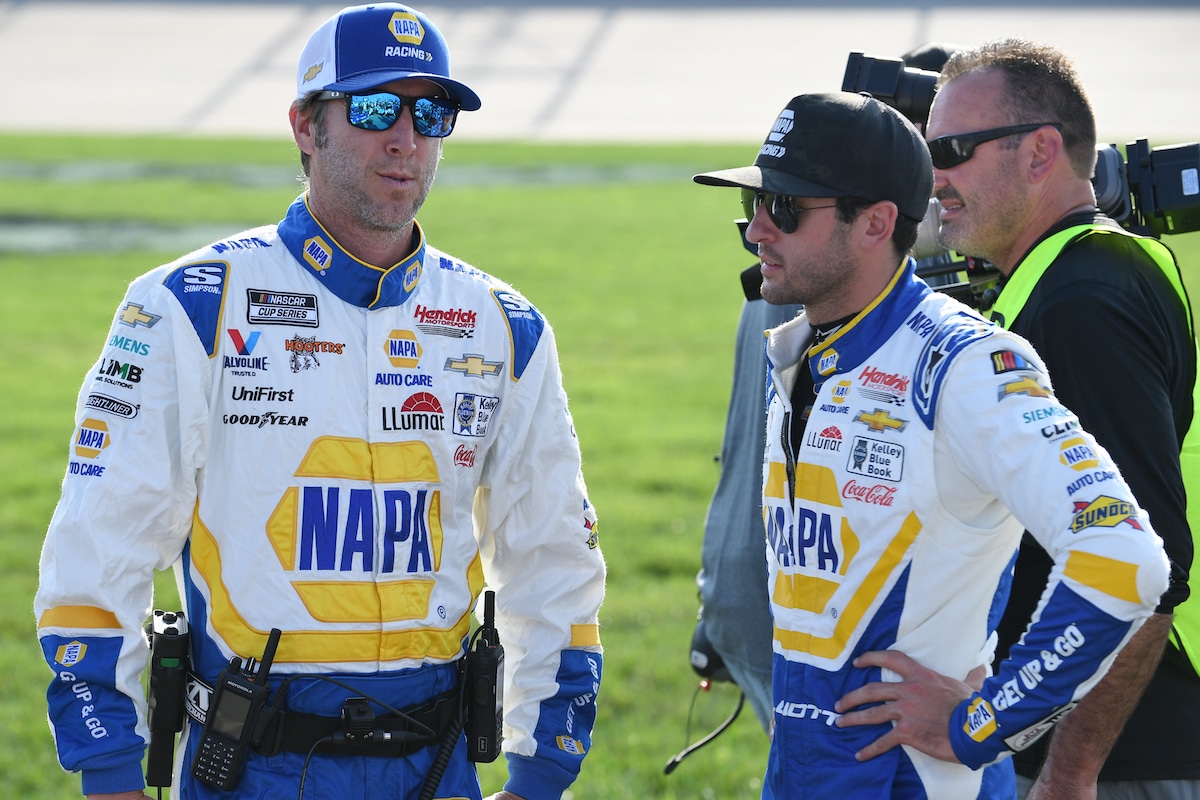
{"x": 1115, "y": 339}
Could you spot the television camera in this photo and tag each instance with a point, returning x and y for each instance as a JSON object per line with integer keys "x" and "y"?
{"x": 1149, "y": 191}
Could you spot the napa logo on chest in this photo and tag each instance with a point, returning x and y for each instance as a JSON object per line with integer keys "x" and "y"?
{"x": 358, "y": 513}
{"x": 403, "y": 350}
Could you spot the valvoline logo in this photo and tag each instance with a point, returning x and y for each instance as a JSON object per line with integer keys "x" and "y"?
{"x": 244, "y": 346}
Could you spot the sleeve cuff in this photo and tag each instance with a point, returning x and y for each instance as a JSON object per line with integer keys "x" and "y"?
{"x": 111, "y": 780}
{"x": 536, "y": 778}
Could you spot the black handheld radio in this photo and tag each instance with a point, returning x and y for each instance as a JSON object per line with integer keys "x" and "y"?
{"x": 229, "y": 725}
{"x": 168, "y": 632}
{"x": 485, "y": 688}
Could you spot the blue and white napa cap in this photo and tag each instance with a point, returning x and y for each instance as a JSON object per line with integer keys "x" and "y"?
{"x": 362, "y": 47}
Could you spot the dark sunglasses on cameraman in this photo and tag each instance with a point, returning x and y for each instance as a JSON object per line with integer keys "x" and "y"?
{"x": 783, "y": 209}
{"x": 950, "y": 151}
{"x": 378, "y": 111}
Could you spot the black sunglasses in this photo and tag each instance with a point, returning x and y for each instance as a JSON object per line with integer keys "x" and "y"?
{"x": 783, "y": 209}
{"x": 378, "y": 111}
{"x": 950, "y": 151}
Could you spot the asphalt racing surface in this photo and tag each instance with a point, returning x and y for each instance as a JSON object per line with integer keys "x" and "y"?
{"x": 569, "y": 71}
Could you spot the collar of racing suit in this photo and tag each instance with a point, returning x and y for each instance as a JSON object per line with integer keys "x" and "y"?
{"x": 855, "y": 341}
{"x": 354, "y": 281}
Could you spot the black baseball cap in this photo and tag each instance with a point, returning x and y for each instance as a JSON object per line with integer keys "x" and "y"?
{"x": 839, "y": 144}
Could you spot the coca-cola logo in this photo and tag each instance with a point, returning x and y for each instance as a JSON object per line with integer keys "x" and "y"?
{"x": 875, "y": 494}
{"x": 465, "y": 456}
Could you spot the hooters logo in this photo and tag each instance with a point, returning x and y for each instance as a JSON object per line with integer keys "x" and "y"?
{"x": 874, "y": 494}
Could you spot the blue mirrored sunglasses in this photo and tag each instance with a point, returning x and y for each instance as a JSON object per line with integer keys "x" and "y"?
{"x": 378, "y": 111}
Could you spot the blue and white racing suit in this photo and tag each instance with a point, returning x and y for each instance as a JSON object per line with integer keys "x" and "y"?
{"x": 934, "y": 441}
{"x": 342, "y": 452}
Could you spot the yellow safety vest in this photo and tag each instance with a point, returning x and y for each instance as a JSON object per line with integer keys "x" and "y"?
{"x": 1014, "y": 295}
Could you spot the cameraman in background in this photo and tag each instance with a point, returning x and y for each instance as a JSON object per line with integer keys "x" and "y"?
{"x": 736, "y": 623}
{"x": 1013, "y": 141}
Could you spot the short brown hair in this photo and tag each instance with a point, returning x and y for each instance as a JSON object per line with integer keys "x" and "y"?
{"x": 1041, "y": 85}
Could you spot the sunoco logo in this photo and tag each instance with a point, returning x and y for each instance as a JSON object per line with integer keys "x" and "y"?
{"x": 1103, "y": 512}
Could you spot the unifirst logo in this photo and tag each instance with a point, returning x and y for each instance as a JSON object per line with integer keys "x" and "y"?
{"x": 406, "y": 28}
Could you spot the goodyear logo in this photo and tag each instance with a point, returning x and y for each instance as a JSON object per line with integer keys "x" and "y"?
{"x": 981, "y": 720}
{"x": 406, "y": 28}
{"x": 317, "y": 253}
{"x": 570, "y": 745}
{"x": 1077, "y": 454}
{"x": 827, "y": 362}
{"x": 402, "y": 349}
{"x": 91, "y": 438}
{"x": 1103, "y": 512}
{"x": 70, "y": 653}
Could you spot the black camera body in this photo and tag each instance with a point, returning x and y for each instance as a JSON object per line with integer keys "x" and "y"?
{"x": 889, "y": 80}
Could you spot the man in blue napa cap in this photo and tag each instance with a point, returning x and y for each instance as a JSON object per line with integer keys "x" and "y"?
{"x": 342, "y": 439}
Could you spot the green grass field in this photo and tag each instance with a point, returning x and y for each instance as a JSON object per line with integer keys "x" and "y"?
{"x": 635, "y": 266}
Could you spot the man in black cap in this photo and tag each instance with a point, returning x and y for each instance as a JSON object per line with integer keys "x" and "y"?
{"x": 905, "y": 439}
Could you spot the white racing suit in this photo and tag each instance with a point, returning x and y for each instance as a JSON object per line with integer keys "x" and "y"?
{"x": 934, "y": 441}
{"x": 342, "y": 452}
